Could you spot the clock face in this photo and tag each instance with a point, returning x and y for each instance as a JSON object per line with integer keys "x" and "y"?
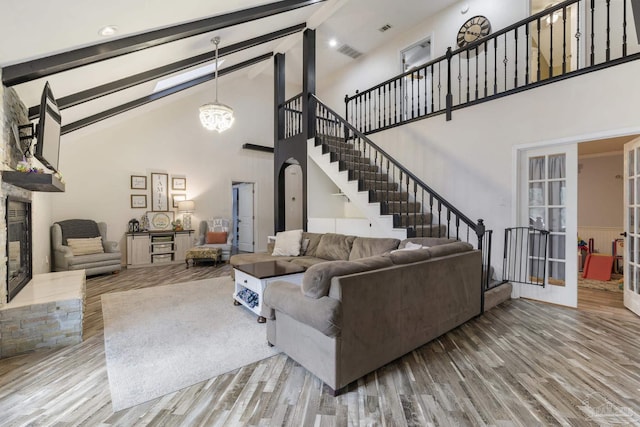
{"x": 472, "y": 30}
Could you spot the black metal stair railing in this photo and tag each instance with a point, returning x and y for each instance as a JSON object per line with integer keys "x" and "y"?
{"x": 413, "y": 204}
{"x": 292, "y": 109}
{"x": 565, "y": 40}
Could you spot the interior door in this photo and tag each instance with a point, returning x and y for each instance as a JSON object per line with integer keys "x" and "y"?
{"x": 631, "y": 221}
{"x": 245, "y": 217}
{"x": 547, "y": 197}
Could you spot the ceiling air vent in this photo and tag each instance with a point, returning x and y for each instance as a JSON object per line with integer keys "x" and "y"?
{"x": 349, "y": 51}
{"x": 384, "y": 28}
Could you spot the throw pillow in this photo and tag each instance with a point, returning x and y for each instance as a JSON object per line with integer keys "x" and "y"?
{"x": 216, "y": 237}
{"x": 304, "y": 246}
{"x": 411, "y": 247}
{"x": 86, "y": 246}
{"x": 288, "y": 243}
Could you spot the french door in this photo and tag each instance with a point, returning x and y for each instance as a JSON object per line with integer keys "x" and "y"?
{"x": 632, "y": 225}
{"x": 547, "y": 199}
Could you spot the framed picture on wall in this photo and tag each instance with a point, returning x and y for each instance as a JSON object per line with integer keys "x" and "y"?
{"x": 138, "y": 201}
{"x": 159, "y": 192}
{"x": 178, "y": 198}
{"x": 178, "y": 183}
{"x": 138, "y": 182}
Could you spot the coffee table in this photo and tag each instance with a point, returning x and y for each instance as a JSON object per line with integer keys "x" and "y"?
{"x": 253, "y": 279}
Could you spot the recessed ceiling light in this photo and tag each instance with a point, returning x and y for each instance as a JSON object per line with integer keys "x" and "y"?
{"x": 108, "y": 30}
{"x": 333, "y": 42}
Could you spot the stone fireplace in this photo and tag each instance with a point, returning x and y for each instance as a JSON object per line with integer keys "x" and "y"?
{"x": 45, "y": 310}
{"x": 13, "y": 112}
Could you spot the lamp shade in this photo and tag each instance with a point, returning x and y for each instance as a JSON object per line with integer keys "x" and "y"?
{"x": 186, "y": 206}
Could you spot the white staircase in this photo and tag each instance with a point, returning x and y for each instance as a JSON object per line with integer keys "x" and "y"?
{"x": 381, "y": 225}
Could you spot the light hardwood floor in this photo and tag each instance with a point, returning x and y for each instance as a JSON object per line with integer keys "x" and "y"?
{"x": 523, "y": 363}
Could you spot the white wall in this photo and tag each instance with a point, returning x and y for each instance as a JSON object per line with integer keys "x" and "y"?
{"x": 385, "y": 62}
{"x": 166, "y": 136}
{"x": 600, "y": 190}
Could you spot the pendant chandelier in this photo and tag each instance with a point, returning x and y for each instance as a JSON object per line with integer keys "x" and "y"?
{"x": 216, "y": 116}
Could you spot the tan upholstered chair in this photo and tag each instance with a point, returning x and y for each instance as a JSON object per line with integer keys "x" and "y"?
{"x": 216, "y": 225}
{"x": 107, "y": 261}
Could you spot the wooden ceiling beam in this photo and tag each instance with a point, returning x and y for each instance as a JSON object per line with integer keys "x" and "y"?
{"x": 127, "y": 82}
{"x": 155, "y": 96}
{"x": 42, "y": 67}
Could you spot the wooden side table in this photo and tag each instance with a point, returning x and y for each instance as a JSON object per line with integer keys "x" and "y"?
{"x": 203, "y": 254}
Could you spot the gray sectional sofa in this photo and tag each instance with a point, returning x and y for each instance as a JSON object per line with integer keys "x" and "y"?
{"x": 362, "y": 305}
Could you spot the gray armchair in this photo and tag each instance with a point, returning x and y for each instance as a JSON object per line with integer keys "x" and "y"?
{"x": 96, "y": 262}
{"x": 217, "y": 224}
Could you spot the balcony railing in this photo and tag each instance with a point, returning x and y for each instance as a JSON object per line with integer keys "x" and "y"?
{"x": 565, "y": 40}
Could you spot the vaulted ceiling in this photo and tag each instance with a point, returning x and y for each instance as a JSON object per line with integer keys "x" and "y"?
{"x": 95, "y": 76}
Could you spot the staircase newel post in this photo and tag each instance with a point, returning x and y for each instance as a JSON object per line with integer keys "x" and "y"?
{"x": 346, "y": 115}
{"x": 449, "y": 93}
{"x": 480, "y": 231}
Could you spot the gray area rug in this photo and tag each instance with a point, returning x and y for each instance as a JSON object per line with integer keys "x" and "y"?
{"x": 162, "y": 339}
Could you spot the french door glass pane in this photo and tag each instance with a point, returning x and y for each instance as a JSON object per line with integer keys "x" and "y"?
{"x": 536, "y": 194}
{"x": 630, "y": 271}
{"x": 630, "y": 158}
{"x": 556, "y": 273}
{"x": 536, "y": 271}
{"x": 557, "y": 246}
{"x": 631, "y": 190}
{"x": 556, "y": 192}
{"x": 637, "y": 168}
{"x": 537, "y": 218}
{"x": 635, "y": 286}
{"x": 632, "y": 220}
{"x": 632, "y": 255}
{"x": 557, "y": 220}
{"x": 536, "y": 168}
{"x": 557, "y": 167}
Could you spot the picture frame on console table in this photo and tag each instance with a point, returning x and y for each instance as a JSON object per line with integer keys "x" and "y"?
{"x": 159, "y": 221}
{"x": 159, "y": 192}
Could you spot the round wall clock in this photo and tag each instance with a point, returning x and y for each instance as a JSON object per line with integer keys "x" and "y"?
{"x": 474, "y": 29}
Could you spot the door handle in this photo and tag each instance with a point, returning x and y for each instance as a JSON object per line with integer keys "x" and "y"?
{"x": 624, "y": 234}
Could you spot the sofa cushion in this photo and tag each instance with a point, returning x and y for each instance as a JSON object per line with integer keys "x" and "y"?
{"x": 369, "y": 246}
{"x": 250, "y": 258}
{"x": 314, "y": 241}
{"x": 323, "y": 314}
{"x": 408, "y": 257}
{"x": 85, "y": 246}
{"x": 307, "y": 261}
{"x": 449, "y": 248}
{"x": 335, "y": 246}
{"x": 288, "y": 243}
{"x": 317, "y": 279}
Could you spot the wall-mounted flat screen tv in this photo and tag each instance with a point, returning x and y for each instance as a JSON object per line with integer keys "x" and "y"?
{"x": 48, "y": 130}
